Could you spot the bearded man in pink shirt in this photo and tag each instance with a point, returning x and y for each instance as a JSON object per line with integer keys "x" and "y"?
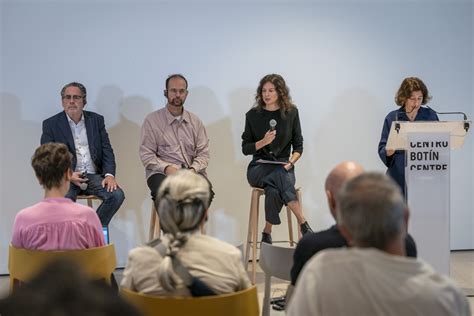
{"x": 173, "y": 138}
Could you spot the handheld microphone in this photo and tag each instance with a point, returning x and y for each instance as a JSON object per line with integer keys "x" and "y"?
{"x": 83, "y": 185}
{"x": 466, "y": 123}
{"x": 273, "y": 124}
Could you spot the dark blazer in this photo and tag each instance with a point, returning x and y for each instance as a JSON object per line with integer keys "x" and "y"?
{"x": 312, "y": 243}
{"x": 56, "y": 129}
{"x": 396, "y": 163}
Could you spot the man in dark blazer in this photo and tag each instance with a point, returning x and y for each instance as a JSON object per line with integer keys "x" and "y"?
{"x": 93, "y": 163}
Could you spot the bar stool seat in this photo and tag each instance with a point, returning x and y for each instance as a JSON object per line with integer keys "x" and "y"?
{"x": 252, "y": 235}
{"x": 90, "y": 199}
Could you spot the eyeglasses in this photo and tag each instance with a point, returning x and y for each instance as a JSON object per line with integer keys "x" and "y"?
{"x": 73, "y": 97}
{"x": 177, "y": 91}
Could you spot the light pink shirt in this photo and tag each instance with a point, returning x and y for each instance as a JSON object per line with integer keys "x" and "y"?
{"x": 57, "y": 224}
{"x": 168, "y": 141}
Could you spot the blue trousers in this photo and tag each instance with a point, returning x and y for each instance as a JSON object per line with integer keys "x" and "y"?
{"x": 111, "y": 201}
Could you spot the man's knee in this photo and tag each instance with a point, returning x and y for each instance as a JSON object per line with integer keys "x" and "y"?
{"x": 117, "y": 196}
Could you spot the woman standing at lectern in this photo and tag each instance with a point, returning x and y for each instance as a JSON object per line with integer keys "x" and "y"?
{"x": 273, "y": 133}
{"x": 410, "y": 96}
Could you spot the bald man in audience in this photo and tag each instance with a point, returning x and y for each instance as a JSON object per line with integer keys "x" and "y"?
{"x": 310, "y": 244}
{"x": 373, "y": 276}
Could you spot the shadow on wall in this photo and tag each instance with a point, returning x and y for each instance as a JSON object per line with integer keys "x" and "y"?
{"x": 19, "y": 186}
{"x": 240, "y": 102}
{"x": 125, "y": 136}
{"x": 225, "y": 172}
{"x": 343, "y": 135}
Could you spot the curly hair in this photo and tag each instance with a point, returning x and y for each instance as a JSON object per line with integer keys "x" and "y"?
{"x": 284, "y": 98}
{"x": 409, "y": 85}
{"x": 50, "y": 162}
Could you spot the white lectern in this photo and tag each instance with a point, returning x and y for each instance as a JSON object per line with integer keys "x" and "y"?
{"x": 427, "y": 176}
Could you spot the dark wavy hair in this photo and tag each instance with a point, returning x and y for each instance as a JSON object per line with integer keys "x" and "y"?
{"x": 50, "y": 162}
{"x": 409, "y": 85}
{"x": 284, "y": 98}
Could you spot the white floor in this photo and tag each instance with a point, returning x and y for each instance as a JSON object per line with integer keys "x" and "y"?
{"x": 462, "y": 271}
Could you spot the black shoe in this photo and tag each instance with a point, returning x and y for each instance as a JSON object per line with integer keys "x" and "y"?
{"x": 305, "y": 228}
{"x": 267, "y": 238}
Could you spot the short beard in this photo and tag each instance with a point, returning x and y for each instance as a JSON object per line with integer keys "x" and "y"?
{"x": 177, "y": 105}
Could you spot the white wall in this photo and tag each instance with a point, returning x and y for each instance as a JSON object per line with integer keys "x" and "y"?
{"x": 343, "y": 62}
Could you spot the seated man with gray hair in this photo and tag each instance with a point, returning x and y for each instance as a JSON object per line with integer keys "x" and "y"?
{"x": 312, "y": 243}
{"x": 373, "y": 277}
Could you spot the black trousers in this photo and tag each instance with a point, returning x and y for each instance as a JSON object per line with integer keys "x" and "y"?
{"x": 155, "y": 180}
{"x": 279, "y": 186}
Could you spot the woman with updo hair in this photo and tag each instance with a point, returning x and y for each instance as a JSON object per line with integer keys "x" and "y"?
{"x": 182, "y": 203}
{"x": 56, "y": 222}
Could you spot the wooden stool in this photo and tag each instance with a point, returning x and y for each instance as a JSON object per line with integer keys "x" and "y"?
{"x": 89, "y": 198}
{"x": 154, "y": 230}
{"x": 252, "y": 234}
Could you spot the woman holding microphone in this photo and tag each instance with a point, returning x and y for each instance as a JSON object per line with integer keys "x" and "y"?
{"x": 272, "y": 135}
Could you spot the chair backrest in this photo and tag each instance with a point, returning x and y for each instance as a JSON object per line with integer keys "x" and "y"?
{"x": 276, "y": 261}
{"x": 240, "y": 303}
{"x": 98, "y": 263}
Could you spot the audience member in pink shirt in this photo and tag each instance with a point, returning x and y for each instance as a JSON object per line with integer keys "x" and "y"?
{"x": 56, "y": 223}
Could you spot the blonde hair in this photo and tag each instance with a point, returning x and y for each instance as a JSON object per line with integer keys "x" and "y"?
{"x": 182, "y": 202}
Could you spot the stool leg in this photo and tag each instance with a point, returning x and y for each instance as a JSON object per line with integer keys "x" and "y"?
{"x": 256, "y": 200}
{"x": 151, "y": 232}
{"x": 89, "y": 203}
{"x": 254, "y": 211}
{"x": 249, "y": 235}
{"x": 157, "y": 228}
{"x": 157, "y": 232}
